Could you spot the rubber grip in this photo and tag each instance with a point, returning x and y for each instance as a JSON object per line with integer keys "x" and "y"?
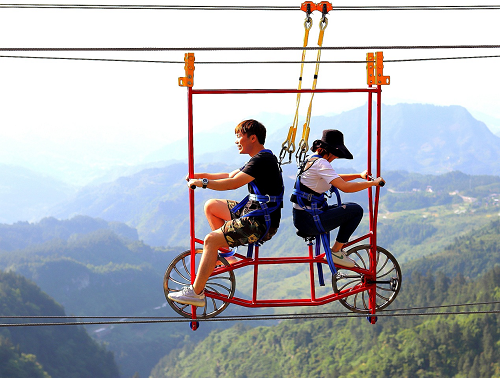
{"x": 193, "y": 187}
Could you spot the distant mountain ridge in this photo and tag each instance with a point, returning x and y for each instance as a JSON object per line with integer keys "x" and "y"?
{"x": 416, "y": 138}
{"x": 419, "y": 138}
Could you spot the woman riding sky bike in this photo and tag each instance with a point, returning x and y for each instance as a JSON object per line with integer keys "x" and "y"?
{"x": 311, "y": 213}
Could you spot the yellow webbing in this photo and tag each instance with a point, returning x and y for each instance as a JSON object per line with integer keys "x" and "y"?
{"x": 303, "y": 144}
{"x": 288, "y": 145}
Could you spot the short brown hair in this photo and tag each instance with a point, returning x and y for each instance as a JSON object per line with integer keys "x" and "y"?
{"x": 252, "y": 127}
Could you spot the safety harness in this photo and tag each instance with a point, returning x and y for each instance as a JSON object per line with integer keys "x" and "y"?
{"x": 265, "y": 210}
{"x": 315, "y": 203}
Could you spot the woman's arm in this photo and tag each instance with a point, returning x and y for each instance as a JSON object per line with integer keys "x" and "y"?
{"x": 352, "y": 187}
{"x": 354, "y": 176}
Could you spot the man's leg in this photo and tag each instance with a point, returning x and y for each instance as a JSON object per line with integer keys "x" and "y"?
{"x": 217, "y": 212}
{"x": 213, "y": 241}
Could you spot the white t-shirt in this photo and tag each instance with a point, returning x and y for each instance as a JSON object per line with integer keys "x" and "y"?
{"x": 318, "y": 177}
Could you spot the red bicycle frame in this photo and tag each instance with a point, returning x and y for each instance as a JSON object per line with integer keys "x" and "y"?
{"x": 256, "y": 261}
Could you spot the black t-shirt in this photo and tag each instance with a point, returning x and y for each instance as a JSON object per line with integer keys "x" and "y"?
{"x": 264, "y": 168}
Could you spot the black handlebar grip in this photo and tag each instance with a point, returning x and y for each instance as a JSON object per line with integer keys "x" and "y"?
{"x": 193, "y": 187}
{"x": 382, "y": 183}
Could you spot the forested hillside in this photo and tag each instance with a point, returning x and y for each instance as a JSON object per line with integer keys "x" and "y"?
{"x": 97, "y": 267}
{"x": 93, "y": 271}
{"x": 58, "y": 352}
{"x": 412, "y": 346}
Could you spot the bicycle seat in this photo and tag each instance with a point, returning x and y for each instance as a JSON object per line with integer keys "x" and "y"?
{"x": 305, "y": 235}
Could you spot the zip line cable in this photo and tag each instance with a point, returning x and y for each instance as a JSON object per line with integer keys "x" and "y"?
{"x": 249, "y": 62}
{"x": 283, "y": 48}
{"x": 251, "y": 318}
{"x": 328, "y": 315}
{"x": 236, "y": 316}
{"x": 249, "y": 7}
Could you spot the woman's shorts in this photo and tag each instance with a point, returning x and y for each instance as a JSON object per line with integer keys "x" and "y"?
{"x": 240, "y": 231}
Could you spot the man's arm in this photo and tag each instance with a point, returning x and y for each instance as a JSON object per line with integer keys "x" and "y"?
{"x": 226, "y": 183}
{"x": 214, "y": 176}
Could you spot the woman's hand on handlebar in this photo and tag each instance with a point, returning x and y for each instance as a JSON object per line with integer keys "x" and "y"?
{"x": 379, "y": 181}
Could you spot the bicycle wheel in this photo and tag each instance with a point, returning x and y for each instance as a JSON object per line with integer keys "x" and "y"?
{"x": 178, "y": 274}
{"x": 387, "y": 282}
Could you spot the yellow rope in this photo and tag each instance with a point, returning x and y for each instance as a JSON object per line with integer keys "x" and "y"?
{"x": 288, "y": 145}
{"x": 303, "y": 144}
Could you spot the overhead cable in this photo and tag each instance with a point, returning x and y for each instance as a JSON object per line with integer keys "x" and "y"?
{"x": 263, "y": 48}
{"x": 249, "y": 62}
{"x": 270, "y": 316}
{"x": 303, "y": 316}
{"x": 252, "y": 318}
{"x": 248, "y": 7}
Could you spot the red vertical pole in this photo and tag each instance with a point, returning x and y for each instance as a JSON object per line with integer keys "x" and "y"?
{"x": 369, "y": 162}
{"x": 191, "y": 196}
{"x": 379, "y": 141}
{"x": 191, "y": 174}
{"x": 311, "y": 272}
{"x": 255, "y": 274}
{"x": 373, "y": 244}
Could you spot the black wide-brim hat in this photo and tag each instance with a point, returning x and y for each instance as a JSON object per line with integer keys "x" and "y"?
{"x": 333, "y": 142}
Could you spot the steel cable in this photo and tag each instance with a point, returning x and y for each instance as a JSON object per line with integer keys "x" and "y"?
{"x": 302, "y": 316}
{"x": 262, "y": 48}
{"x": 248, "y": 7}
{"x": 250, "y": 62}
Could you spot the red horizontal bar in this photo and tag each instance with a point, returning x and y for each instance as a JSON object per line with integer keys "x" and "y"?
{"x": 286, "y": 302}
{"x": 357, "y": 240}
{"x": 283, "y": 260}
{"x": 260, "y": 91}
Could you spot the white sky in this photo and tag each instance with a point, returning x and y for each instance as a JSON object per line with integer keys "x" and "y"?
{"x": 138, "y": 107}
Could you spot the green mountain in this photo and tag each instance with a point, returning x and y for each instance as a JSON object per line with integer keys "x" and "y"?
{"x": 96, "y": 272}
{"x": 95, "y": 267}
{"x": 156, "y": 203}
{"x": 64, "y": 351}
{"x": 459, "y": 345}
{"x": 15, "y": 364}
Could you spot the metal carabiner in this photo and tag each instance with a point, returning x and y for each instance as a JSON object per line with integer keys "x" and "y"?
{"x": 323, "y": 23}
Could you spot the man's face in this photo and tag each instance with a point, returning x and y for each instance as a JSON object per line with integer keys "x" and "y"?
{"x": 243, "y": 142}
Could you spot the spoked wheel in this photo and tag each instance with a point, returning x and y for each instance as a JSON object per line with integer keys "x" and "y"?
{"x": 388, "y": 280}
{"x": 178, "y": 275}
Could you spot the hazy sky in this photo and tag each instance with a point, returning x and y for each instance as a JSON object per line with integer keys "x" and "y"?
{"x": 134, "y": 108}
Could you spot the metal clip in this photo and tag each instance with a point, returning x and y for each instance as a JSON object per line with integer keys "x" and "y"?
{"x": 188, "y": 80}
{"x": 370, "y": 69}
{"x": 379, "y": 70}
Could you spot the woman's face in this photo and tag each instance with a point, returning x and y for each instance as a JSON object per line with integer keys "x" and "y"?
{"x": 330, "y": 157}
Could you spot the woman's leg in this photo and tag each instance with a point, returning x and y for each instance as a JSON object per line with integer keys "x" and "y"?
{"x": 347, "y": 217}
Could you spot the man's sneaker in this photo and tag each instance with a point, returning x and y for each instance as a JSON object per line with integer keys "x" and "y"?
{"x": 340, "y": 258}
{"x": 188, "y": 296}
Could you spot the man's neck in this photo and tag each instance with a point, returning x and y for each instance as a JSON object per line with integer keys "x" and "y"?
{"x": 256, "y": 149}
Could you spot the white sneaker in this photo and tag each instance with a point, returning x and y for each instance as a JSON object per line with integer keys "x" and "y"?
{"x": 188, "y": 296}
{"x": 340, "y": 258}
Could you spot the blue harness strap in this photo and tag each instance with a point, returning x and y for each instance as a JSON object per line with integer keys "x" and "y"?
{"x": 263, "y": 200}
{"x": 318, "y": 204}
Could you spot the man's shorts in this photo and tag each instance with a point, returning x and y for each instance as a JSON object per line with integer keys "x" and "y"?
{"x": 240, "y": 231}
